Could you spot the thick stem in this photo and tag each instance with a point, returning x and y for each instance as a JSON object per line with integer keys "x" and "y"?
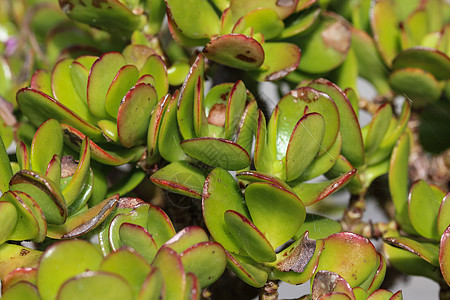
{"x": 444, "y": 292}
{"x": 269, "y": 291}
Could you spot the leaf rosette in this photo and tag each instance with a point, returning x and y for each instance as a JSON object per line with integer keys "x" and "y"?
{"x": 109, "y": 99}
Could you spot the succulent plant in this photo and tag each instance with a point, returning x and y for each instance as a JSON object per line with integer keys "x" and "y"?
{"x": 422, "y": 216}
{"x": 46, "y": 194}
{"x": 143, "y": 257}
{"x": 99, "y": 97}
{"x": 215, "y": 129}
{"x": 119, "y": 101}
{"x": 409, "y": 56}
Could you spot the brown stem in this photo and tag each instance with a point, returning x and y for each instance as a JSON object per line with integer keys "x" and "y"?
{"x": 269, "y": 291}
{"x": 354, "y": 213}
{"x": 444, "y": 292}
{"x": 352, "y": 220}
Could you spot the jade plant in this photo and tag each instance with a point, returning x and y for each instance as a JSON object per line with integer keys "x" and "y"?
{"x": 141, "y": 156}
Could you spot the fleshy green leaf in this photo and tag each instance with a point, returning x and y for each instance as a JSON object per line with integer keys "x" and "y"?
{"x": 129, "y": 265}
{"x": 417, "y": 85}
{"x": 270, "y": 206}
{"x": 186, "y": 100}
{"x": 262, "y": 20}
{"x": 352, "y": 143}
{"x": 222, "y": 193}
{"x": 325, "y": 47}
{"x": 217, "y": 152}
{"x": 378, "y": 128}
{"x": 172, "y": 270}
{"x": 5, "y": 168}
{"x": 247, "y": 269}
{"x": 101, "y": 75}
{"x": 39, "y": 107}
{"x": 152, "y": 286}
{"x": 252, "y": 240}
{"x": 44, "y": 192}
{"x": 180, "y": 177}
{"x": 124, "y": 80}
{"x": 134, "y": 114}
{"x": 293, "y": 106}
{"x": 8, "y": 215}
{"x": 108, "y": 157}
{"x": 207, "y": 260}
{"x": 350, "y": 255}
{"x": 138, "y": 238}
{"x": 76, "y": 256}
{"x": 304, "y": 144}
{"x": 235, "y": 50}
{"x": 169, "y": 137}
{"x": 21, "y": 290}
{"x": 423, "y": 204}
{"x": 384, "y": 28}
{"x": 186, "y": 238}
{"x": 65, "y": 91}
{"x": 427, "y": 59}
{"x": 84, "y": 221}
{"x": 298, "y": 257}
{"x": 17, "y": 257}
{"x": 425, "y": 250}
{"x": 96, "y": 284}
{"x": 312, "y": 192}
{"x": 318, "y": 227}
{"x": 110, "y": 15}
{"x": 444, "y": 257}
{"x": 275, "y": 68}
{"x": 155, "y": 66}
{"x": 189, "y": 22}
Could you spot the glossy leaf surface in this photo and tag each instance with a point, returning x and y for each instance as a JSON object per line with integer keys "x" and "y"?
{"x": 293, "y": 105}
{"x": 235, "y": 50}
{"x": 423, "y": 204}
{"x": 305, "y": 140}
{"x": 357, "y": 257}
{"x": 326, "y": 46}
{"x": 417, "y": 85}
{"x": 21, "y": 290}
{"x": 221, "y": 193}
{"x": 270, "y": 206}
{"x": 101, "y": 75}
{"x": 110, "y": 15}
{"x": 189, "y": 22}
{"x": 96, "y": 284}
{"x": 352, "y": 143}
{"x": 83, "y": 221}
{"x": 428, "y": 59}
{"x": 247, "y": 269}
{"x": 207, "y": 260}
{"x": 44, "y": 192}
{"x": 217, "y": 152}
{"x": 274, "y": 68}
{"x": 139, "y": 239}
{"x": 124, "y": 80}
{"x": 172, "y": 270}
{"x": 252, "y": 240}
{"x": 180, "y": 177}
{"x": 134, "y": 114}
{"x": 383, "y": 24}
{"x": 427, "y": 251}
{"x": 108, "y": 157}
{"x": 76, "y": 255}
{"x": 39, "y": 107}
{"x": 129, "y": 265}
